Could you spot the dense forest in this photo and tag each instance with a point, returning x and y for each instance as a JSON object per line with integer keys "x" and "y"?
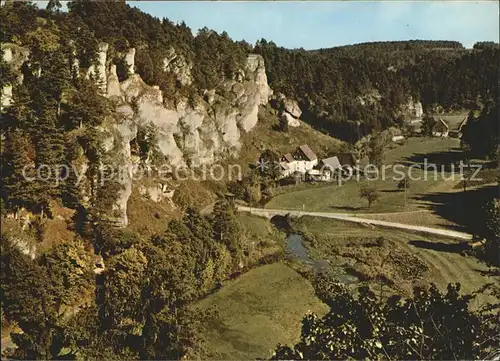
{"x": 330, "y": 83}
{"x": 347, "y": 91}
{"x": 141, "y": 308}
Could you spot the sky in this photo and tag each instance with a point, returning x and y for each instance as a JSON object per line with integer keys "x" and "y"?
{"x": 313, "y": 25}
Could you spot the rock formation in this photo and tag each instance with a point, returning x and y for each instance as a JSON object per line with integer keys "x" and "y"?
{"x": 289, "y": 110}
{"x": 188, "y": 133}
{"x": 194, "y": 134}
{"x": 412, "y": 109}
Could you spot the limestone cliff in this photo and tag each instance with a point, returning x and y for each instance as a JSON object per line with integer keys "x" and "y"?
{"x": 14, "y": 55}
{"x": 412, "y": 109}
{"x": 188, "y": 134}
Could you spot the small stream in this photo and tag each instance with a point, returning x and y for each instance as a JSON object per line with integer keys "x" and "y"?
{"x": 296, "y": 248}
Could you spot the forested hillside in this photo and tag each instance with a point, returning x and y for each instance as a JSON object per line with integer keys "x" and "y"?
{"x": 59, "y": 66}
{"x": 364, "y": 86}
{"x": 347, "y": 91}
{"x": 104, "y": 84}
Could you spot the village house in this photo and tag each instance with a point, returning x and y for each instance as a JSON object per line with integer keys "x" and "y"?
{"x": 301, "y": 161}
{"x": 305, "y": 162}
{"x": 440, "y": 129}
{"x": 325, "y": 170}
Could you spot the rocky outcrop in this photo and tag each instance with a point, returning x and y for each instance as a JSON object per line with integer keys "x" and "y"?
{"x": 289, "y": 110}
{"x": 113, "y": 84}
{"x": 98, "y": 71}
{"x": 130, "y": 60}
{"x": 412, "y": 109}
{"x": 15, "y": 56}
{"x": 189, "y": 133}
{"x": 290, "y": 120}
{"x": 157, "y": 193}
{"x": 178, "y": 65}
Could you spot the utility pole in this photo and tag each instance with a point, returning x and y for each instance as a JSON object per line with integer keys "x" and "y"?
{"x": 405, "y": 193}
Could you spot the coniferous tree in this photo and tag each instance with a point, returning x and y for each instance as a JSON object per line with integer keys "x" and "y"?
{"x": 20, "y": 187}
{"x": 31, "y": 299}
{"x": 428, "y": 123}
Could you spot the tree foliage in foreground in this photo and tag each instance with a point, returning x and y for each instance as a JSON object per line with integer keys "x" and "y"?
{"x": 430, "y": 326}
{"x": 139, "y": 307}
{"x": 492, "y": 232}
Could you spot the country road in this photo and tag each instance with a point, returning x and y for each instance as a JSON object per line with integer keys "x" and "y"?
{"x": 355, "y": 219}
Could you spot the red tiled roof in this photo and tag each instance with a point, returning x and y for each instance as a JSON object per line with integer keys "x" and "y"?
{"x": 288, "y": 157}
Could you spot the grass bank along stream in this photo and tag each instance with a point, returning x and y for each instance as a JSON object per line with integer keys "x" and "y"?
{"x": 394, "y": 260}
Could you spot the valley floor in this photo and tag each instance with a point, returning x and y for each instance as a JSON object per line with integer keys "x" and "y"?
{"x": 258, "y": 310}
{"x": 433, "y": 201}
{"x": 264, "y": 307}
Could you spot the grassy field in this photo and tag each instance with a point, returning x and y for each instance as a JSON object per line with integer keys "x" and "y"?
{"x": 261, "y": 238}
{"x": 345, "y": 197}
{"x": 258, "y": 310}
{"x": 444, "y": 262}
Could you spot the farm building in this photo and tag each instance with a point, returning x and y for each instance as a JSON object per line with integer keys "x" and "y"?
{"x": 325, "y": 170}
{"x": 441, "y": 129}
{"x": 301, "y": 161}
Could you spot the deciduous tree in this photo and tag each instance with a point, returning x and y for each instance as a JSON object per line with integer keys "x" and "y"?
{"x": 431, "y": 325}
{"x": 369, "y": 193}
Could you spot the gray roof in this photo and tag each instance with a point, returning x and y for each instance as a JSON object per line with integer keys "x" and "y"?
{"x": 331, "y": 163}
